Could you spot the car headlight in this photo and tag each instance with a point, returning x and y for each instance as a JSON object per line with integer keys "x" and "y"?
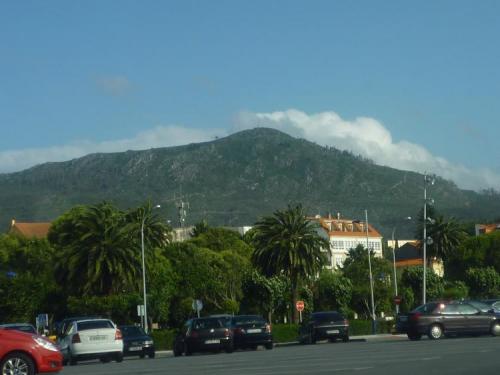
{"x": 45, "y": 344}
{"x": 148, "y": 342}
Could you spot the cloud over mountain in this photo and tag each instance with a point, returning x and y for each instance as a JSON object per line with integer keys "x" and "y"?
{"x": 369, "y": 138}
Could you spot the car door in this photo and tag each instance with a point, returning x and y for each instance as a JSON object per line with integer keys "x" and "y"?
{"x": 451, "y": 318}
{"x": 475, "y": 321}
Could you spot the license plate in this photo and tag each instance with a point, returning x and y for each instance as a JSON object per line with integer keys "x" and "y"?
{"x": 253, "y": 330}
{"x": 332, "y": 331}
{"x": 97, "y": 338}
{"x": 135, "y": 348}
{"x": 212, "y": 341}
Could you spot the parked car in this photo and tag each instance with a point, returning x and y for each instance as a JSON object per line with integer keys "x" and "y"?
{"x": 438, "y": 319}
{"x": 137, "y": 342}
{"x": 203, "y": 334}
{"x": 250, "y": 331}
{"x": 91, "y": 339}
{"x": 23, "y": 327}
{"x": 62, "y": 326}
{"x": 324, "y": 325}
{"x": 27, "y": 354}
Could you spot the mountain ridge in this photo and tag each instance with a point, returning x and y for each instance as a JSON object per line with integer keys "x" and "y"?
{"x": 233, "y": 181}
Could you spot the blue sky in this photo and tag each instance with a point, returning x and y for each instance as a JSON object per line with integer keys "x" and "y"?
{"x": 413, "y": 85}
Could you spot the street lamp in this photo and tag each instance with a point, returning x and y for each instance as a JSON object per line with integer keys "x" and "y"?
{"x": 374, "y": 328}
{"x": 394, "y": 265}
{"x": 428, "y": 180}
{"x": 145, "y": 317}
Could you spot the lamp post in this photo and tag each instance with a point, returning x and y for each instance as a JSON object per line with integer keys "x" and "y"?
{"x": 428, "y": 180}
{"x": 145, "y": 317}
{"x": 394, "y": 265}
{"x": 374, "y": 328}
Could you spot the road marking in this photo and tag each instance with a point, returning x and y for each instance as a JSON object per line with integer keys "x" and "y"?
{"x": 429, "y": 358}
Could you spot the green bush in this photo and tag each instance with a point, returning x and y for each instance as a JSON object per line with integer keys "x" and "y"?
{"x": 164, "y": 338}
{"x": 285, "y": 332}
{"x": 364, "y": 327}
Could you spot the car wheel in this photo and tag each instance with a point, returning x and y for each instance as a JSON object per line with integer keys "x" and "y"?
{"x": 435, "y": 332}
{"x": 345, "y": 338}
{"x": 105, "y": 359}
{"x": 119, "y": 357}
{"x": 332, "y": 339}
{"x": 187, "y": 350}
{"x": 312, "y": 339}
{"x": 17, "y": 363}
{"x": 495, "y": 329}
{"x": 229, "y": 348}
{"x": 177, "y": 350}
{"x": 151, "y": 355}
{"x": 414, "y": 336}
{"x": 269, "y": 346}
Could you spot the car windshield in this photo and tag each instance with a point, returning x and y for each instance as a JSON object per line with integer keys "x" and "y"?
{"x": 327, "y": 317}
{"x": 207, "y": 323}
{"x": 241, "y": 320}
{"x": 93, "y": 324}
{"x": 132, "y": 331}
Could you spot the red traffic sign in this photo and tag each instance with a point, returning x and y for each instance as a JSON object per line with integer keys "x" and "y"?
{"x": 397, "y": 300}
{"x": 299, "y": 305}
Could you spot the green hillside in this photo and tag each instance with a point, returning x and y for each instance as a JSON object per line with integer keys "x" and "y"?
{"x": 233, "y": 181}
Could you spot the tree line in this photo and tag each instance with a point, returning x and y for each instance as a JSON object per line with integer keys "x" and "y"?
{"x": 90, "y": 263}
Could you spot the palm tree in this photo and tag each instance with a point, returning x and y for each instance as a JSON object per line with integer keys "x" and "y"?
{"x": 98, "y": 256}
{"x": 156, "y": 232}
{"x": 446, "y": 236}
{"x": 287, "y": 243}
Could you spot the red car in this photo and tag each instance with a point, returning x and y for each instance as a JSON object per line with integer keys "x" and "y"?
{"x": 27, "y": 354}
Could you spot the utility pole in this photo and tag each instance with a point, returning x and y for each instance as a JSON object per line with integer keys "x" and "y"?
{"x": 374, "y": 324}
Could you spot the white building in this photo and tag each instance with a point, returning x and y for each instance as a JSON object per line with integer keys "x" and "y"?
{"x": 345, "y": 234}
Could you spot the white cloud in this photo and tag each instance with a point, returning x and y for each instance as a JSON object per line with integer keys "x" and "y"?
{"x": 160, "y": 136}
{"x": 369, "y": 138}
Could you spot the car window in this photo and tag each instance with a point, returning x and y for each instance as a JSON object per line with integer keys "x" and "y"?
{"x": 94, "y": 324}
{"x": 132, "y": 331}
{"x": 207, "y": 323}
{"x": 428, "y": 308}
{"x": 467, "y": 309}
{"x": 480, "y": 305}
{"x": 327, "y": 317}
{"x": 450, "y": 309}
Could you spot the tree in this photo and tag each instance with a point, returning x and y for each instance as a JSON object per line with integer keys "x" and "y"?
{"x": 333, "y": 291}
{"x": 199, "y": 228}
{"x": 412, "y": 278}
{"x": 447, "y": 235}
{"x": 483, "y": 282}
{"x": 286, "y": 243}
{"x": 356, "y": 269}
{"x": 98, "y": 254}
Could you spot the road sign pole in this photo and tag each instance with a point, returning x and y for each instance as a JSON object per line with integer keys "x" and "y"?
{"x": 300, "y": 316}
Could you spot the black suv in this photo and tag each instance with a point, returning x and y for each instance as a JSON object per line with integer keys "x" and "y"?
{"x": 438, "y": 319}
{"x": 329, "y": 325}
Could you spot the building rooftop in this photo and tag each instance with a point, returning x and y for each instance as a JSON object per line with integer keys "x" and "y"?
{"x": 30, "y": 230}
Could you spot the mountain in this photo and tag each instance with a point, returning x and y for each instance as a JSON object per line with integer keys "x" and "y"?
{"x": 234, "y": 181}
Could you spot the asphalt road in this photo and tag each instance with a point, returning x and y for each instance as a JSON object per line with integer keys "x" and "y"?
{"x": 470, "y": 355}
